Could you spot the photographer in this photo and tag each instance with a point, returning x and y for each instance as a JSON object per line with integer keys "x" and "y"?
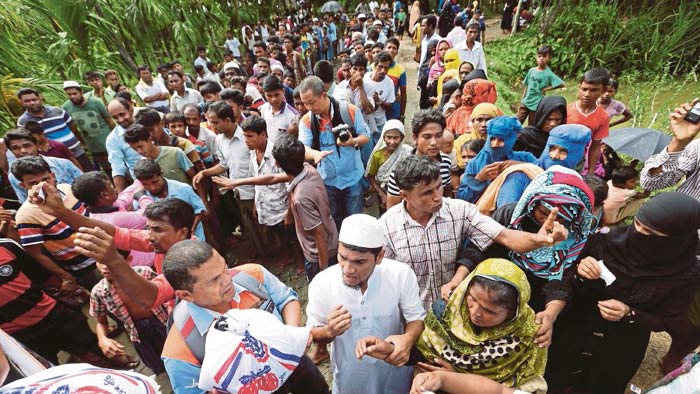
{"x": 336, "y": 153}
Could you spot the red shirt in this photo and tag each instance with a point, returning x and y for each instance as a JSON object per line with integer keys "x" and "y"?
{"x": 58, "y": 149}
{"x": 598, "y": 121}
{"x": 22, "y": 302}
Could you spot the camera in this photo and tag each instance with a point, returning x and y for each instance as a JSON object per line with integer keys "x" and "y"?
{"x": 342, "y": 132}
{"x": 693, "y": 115}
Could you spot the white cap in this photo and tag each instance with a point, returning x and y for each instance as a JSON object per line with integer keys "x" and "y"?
{"x": 362, "y": 16}
{"x": 377, "y": 22}
{"x": 231, "y": 65}
{"x": 277, "y": 67}
{"x": 71, "y": 84}
{"x": 315, "y": 20}
{"x": 361, "y": 230}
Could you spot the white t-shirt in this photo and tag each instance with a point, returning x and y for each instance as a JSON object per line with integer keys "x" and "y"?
{"x": 233, "y": 45}
{"x": 390, "y": 300}
{"x": 385, "y": 89}
{"x": 343, "y": 92}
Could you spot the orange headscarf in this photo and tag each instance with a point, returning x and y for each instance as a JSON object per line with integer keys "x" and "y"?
{"x": 475, "y": 92}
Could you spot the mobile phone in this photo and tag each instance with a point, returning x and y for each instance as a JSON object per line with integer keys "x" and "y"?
{"x": 693, "y": 116}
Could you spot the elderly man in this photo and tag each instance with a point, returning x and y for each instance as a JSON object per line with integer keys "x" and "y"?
{"x": 427, "y": 230}
{"x": 365, "y": 295}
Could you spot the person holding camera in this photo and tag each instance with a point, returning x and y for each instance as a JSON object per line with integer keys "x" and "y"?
{"x": 333, "y": 133}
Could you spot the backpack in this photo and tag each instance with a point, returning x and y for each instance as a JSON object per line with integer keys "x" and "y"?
{"x": 182, "y": 320}
{"x": 341, "y": 115}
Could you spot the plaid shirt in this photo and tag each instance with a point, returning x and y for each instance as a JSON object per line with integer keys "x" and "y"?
{"x": 432, "y": 251}
{"x": 104, "y": 299}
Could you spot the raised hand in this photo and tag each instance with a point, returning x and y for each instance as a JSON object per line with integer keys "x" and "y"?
{"x": 552, "y": 231}
{"x": 681, "y": 128}
{"x": 339, "y": 321}
{"x": 96, "y": 243}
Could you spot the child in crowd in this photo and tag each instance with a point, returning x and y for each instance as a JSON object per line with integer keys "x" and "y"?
{"x": 388, "y": 152}
{"x": 623, "y": 200}
{"x": 49, "y": 147}
{"x": 173, "y": 161}
{"x": 614, "y": 107}
{"x": 147, "y": 332}
{"x": 538, "y": 81}
{"x": 470, "y": 149}
{"x": 175, "y": 122}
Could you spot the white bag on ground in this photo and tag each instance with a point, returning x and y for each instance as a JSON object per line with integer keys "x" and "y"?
{"x": 83, "y": 378}
{"x": 251, "y": 351}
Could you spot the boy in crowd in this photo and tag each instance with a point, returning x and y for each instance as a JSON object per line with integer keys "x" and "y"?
{"x": 23, "y": 144}
{"x": 40, "y": 232}
{"x": 538, "y": 81}
{"x": 152, "y": 121}
{"x": 173, "y": 161}
{"x": 48, "y": 147}
{"x": 383, "y": 91}
{"x": 585, "y": 111}
{"x": 398, "y": 75}
{"x": 276, "y": 112}
{"x": 623, "y": 200}
{"x": 150, "y": 174}
{"x": 177, "y": 124}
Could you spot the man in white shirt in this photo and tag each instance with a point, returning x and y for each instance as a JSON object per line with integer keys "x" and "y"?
{"x": 202, "y": 58}
{"x": 383, "y": 95}
{"x": 472, "y": 50}
{"x": 152, "y": 92}
{"x": 181, "y": 94}
{"x": 277, "y": 113}
{"x": 427, "y": 26}
{"x": 457, "y": 34}
{"x": 233, "y": 45}
{"x": 366, "y": 295}
{"x": 354, "y": 90}
{"x": 373, "y": 5}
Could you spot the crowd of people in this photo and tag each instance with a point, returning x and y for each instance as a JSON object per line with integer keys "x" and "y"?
{"x": 498, "y": 259}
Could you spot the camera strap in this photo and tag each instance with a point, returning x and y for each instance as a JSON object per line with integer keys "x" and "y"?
{"x": 341, "y": 115}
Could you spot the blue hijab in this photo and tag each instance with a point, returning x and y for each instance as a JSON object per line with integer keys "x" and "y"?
{"x": 574, "y": 138}
{"x": 505, "y": 128}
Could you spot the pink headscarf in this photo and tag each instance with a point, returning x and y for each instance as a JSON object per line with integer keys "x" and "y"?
{"x": 438, "y": 67}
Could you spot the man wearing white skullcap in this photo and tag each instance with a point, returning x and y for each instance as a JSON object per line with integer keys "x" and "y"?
{"x": 361, "y": 299}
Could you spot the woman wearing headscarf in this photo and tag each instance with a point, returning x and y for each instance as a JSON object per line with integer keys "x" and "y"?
{"x": 474, "y": 92}
{"x": 449, "y": 72}
{"x": 388, "y": 152}
{"x": 413, "y": 19}
{"x": 549, "y": 269}
{"x": 438, "y": 66}
{"x": 565, "y": 147}
{"x": 481, "y": 114}
{"x": 498, "y": 342}
{"x": 601, "y": 341}
{"x": 495, "y": 157}
{"x": 551, "y": 112}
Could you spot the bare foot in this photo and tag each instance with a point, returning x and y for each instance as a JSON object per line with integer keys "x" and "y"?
{"x": 318, "y": 353}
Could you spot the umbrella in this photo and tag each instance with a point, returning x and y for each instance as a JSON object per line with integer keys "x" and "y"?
{"x": 637, "y": 142}
{"x": 331, "y": 7}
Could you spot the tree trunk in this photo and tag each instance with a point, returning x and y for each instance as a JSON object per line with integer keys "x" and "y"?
{"x": 516, "y": 18}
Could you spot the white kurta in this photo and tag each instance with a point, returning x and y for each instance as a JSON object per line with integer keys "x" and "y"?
{"x": 390, "y": 301}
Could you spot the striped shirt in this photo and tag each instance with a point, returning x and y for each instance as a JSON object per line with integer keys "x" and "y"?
{"x": 432, "y": 250}
{"x": 445, "y": 165}
{"x": 674, "y": 166}
{"x": 56, "y": 124}
{"x": 22, "y": 302}
{"x": 38, "y": 228}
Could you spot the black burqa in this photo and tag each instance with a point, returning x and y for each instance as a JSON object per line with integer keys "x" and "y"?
{"x": 532, "y": 138}
{"x": 656, "y": 276}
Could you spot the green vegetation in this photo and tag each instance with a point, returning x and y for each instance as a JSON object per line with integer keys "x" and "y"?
{"x": 653, "y": 50}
